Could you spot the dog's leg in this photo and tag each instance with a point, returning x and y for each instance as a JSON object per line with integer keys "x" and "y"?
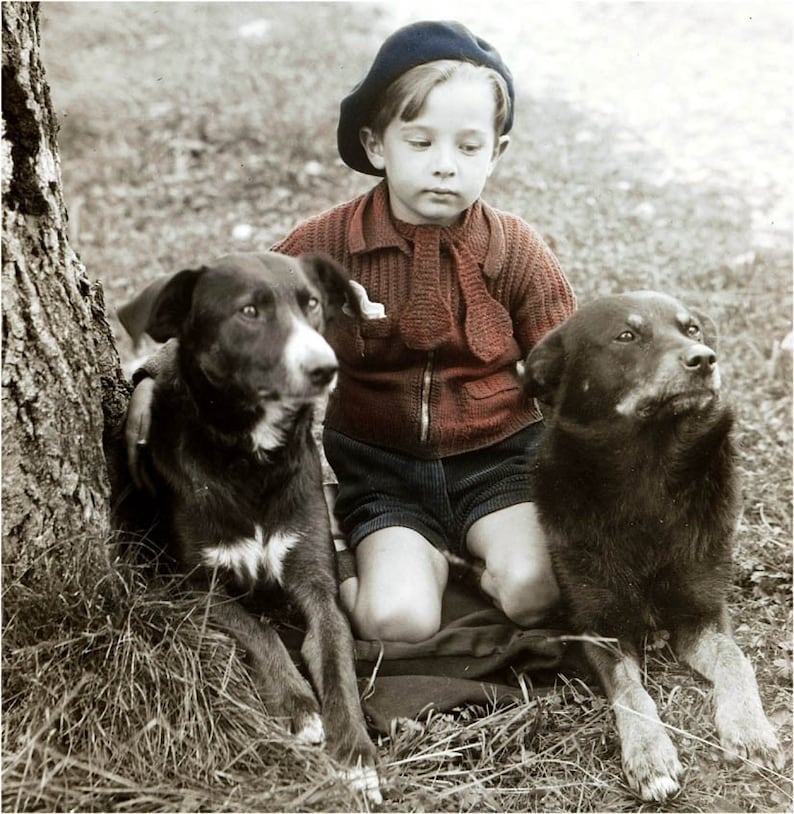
{"x": 744, "y": 730}
{"x": 284, "y": 690}
{"x": 329, "y": 656}
{"x": 650, "y": 761}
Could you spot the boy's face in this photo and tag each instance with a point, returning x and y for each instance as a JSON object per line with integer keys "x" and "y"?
{"x": 437, "y": 165}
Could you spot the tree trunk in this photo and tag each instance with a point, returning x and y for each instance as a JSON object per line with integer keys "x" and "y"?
{"x": 64, "y": 395}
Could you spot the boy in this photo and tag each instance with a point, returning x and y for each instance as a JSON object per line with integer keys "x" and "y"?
{"x": 427, "y": 431}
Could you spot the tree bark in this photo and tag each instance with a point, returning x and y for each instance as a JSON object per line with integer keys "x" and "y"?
{"x": 64, "y": 395}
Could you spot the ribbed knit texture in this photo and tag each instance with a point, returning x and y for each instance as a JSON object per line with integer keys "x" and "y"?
{"x": 478, "y": 295}
{"x": 427, "y": 320}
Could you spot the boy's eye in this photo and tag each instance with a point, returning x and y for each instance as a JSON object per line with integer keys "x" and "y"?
{"x": 419, "y": 143}
{"x": 470, "y": 149}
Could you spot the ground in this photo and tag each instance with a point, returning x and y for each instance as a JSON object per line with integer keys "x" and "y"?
{"x": 651, "y": 148}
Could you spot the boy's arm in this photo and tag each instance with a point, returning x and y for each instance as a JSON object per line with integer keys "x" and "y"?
{"x": 300, "y": 240}
{"x": 139, "y": 410}
{"x": 162, "y": 360}
{"x": 543, "y": 297}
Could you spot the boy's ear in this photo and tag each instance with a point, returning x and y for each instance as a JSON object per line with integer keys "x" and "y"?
{"x": 172, "y": 305}
{"x": 502, "y": 143}
{"x": 373, "y": 147}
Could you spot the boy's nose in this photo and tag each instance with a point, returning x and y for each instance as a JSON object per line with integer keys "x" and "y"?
{"x": 443, "y": 162}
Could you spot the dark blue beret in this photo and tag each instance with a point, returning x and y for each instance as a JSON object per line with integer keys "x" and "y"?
{"x": 408, "y": 47}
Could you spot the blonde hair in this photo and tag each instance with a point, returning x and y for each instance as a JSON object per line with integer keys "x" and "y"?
{"x": 406, "y": 96}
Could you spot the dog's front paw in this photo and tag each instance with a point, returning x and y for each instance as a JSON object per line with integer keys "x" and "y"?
{"x": 748, "y": 735}
{"x": 303, "y": 714}
{"x": 652, "y": 767}
{"x": 308, "y": 728}
{"x": 363, "y": 778}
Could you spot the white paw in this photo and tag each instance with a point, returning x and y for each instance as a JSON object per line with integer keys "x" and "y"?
{"x": 363, "y": 779}
{"x": 752, "y": 739}
{"x": 652, "y": 768}
{"x": 312, "y": 730}
{"x": 660, "y": 787}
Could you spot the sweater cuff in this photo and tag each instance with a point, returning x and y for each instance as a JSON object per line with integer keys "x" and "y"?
{"x": 162, "y": 359}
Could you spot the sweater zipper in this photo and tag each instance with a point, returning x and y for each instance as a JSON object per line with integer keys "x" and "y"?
{"x": 424, "y": 413}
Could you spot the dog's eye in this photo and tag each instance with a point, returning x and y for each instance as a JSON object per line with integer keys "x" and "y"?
{"x": 626, "y": 336}
{"x": 693, "y": 330}
{"x": 249, "y": 311}
{"x": 312, "y": 304}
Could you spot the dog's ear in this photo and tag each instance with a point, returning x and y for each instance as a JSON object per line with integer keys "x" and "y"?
{"x": 543, "y": 367}
{"x": 134, "y": 315}
{"x": 708, "y": 326}
{"x": 334, "y": 280}
{"x": 172, "y": 305}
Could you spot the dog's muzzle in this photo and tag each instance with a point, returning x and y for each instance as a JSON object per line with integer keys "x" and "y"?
{"x": 699, "y": 358}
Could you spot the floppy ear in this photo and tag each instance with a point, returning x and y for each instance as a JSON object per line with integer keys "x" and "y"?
{"x": 172, "y": 305}
{"x": 135, "y": 314}
{"x": 543, "y": 367}
{"x": 334, "y": 280}
{"x": 708, "y": 326}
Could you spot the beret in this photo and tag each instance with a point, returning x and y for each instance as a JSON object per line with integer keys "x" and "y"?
{"x": 406, "y": 48}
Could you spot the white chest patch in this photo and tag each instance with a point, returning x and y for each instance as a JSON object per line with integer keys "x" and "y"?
{"x": 253, "y": 557}
{"x": 270, "y": 432}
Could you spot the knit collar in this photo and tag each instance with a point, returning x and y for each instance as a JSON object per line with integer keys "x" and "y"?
{"x": 373, "y": 227}
{"x": 477, "y": 247}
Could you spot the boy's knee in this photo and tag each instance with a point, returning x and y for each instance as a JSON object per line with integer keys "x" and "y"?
{"x": 395, "y": 622}
{"x": 526, "y": 592}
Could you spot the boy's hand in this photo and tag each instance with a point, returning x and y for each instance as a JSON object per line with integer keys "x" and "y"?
{"x": 136, "y": 430}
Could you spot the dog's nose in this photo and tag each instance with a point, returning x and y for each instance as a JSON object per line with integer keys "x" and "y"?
{"x": 700, "y": 358}
{"x": 321, "y": 375}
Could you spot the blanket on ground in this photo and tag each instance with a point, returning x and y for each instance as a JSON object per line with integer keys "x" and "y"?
{"x": 475, "y": 658}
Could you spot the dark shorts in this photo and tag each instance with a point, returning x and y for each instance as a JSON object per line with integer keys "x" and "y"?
{"x": 440, "y": 499}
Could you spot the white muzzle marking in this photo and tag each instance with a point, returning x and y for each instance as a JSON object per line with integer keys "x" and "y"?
{"x": 305, "y": 350}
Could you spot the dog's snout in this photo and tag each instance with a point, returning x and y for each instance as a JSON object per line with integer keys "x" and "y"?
{"x": 700, "y": 358}
{"x": 309, "y": 360}
{"x": 316, "y": 361}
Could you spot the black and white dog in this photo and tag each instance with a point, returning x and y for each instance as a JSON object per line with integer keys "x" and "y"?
{"x": 238, "y": 478}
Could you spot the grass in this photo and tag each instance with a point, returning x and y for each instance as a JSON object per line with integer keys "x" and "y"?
{"x": 175, "y": 130}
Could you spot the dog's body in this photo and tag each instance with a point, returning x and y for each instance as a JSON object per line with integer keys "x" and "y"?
{"x": 238, "y": 475}
{"x": 636, "y": 491}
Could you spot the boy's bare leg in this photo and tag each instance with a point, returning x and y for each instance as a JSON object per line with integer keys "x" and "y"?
{"x": 518, "y": 574}
{"x": 397, "y": 593}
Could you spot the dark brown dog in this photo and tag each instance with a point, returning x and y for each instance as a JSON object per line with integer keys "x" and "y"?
{"x": 238, "y": 474}
{"x": 636, "y": 491}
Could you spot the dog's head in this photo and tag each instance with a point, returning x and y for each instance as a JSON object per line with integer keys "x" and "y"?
{"x": 639, "y": 356}
{"x": 253, "y": 323}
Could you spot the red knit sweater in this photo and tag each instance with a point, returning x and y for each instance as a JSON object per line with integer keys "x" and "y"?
{"x": 436, "y": 376}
